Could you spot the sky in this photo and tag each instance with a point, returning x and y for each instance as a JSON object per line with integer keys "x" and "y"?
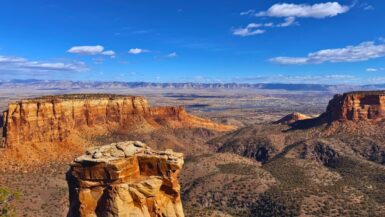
{"x": 245, "y": 41}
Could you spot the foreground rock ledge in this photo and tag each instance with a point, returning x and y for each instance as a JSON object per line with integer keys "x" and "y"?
{"x": 125, "y": 179}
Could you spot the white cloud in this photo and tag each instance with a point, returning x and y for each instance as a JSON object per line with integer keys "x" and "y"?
{"x": 109, "y": 53}
{"x": 19, "y": 64}
{"x": 364, "y": 51}
{"x": 320, "y": 10}
{"x": 90, "y": 50}
{"x": 257, "y": 28}
{"x": 249, "y": 12}
{"x": 172, "y": 55}
{"x": 375, "y": 69}
{"x": 86, "y": 50}
{"x": 251, "y": 29}
{"x": 8, "y": 60}
{"x": 289, "y": 21}
{"x": 291, "y": 12}
{"x": 290, "y": 60}
{"x": 137, "y": 51}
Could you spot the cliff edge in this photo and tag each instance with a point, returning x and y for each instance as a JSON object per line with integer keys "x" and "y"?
{"x": 357, "y": 106}
{"x": 125, "y": 179}
{"x": 56, "y": 128}
{"x": 56, "y": 118}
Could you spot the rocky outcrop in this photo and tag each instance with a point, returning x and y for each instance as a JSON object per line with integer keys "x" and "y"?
{"x": 349, "y": 110}
{"x": 56, "y": 118}
{"x": 357, "y": 106}
{"x": 125, "y": 179}
{"x": 291, "y": 118}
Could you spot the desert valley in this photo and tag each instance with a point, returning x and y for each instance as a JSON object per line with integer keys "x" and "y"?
{"x": 255, "y": 152}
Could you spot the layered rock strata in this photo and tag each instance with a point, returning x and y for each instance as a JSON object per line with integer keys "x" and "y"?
{"x": 357, "y": 106}
{"x": 125, "y": 179}
{"x": 55, "y": 118}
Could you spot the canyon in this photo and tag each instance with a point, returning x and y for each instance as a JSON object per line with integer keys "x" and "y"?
{"x": 330, "y": 164}
{"x": 56, "y": 118}
{"x": 63, "y": 125}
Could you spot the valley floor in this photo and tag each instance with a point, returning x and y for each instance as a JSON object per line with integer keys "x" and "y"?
{"x": 217, "y": 181}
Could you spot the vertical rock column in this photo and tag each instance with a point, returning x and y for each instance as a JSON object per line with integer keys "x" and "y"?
{"x": 125, "y": 179}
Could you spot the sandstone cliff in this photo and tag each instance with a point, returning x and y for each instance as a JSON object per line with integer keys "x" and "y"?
{"x": 57, "y": 118}
{"x": 357, "y": 106}
{"x": 125, "y": 179}
{"x": 353, "y": 111}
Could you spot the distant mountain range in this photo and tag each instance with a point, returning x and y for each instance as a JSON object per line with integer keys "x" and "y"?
{"x": 70, "y": 85}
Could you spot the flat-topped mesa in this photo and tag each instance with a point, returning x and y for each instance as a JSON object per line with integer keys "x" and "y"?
{"x": 125, "y": 179}
{"x": 56, "y": 118}
{"x": 356, "y": 106}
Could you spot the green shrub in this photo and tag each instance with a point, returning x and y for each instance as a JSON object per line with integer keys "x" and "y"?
{"x": 7, "y": 197}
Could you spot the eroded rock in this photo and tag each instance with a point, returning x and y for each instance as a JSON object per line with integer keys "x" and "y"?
{"x": 54, "y": 119}
{"x": 125, "y": 179}
{"x": 357, "y": 106}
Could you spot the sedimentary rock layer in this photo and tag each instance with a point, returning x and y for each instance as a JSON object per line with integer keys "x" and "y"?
{"x": 56, "y": 118}
{"x": 357, "y": 106}
{"x": 125, "y": 179}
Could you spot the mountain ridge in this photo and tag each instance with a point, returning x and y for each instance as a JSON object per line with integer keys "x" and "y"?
{"x": 64, "y": 85}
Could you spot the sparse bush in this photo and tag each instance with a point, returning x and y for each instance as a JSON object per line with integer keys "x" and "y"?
{"x": 7, "y": 197}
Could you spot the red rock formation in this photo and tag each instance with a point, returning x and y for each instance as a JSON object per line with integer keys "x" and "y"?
{"x": 357, "y": 106}
{"x": 125, "y": 179}
{"x": 55, "y": 118}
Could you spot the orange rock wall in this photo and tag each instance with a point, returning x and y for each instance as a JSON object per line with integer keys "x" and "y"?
{"x": 126, "y": 180}
{"x": 54, "y": 119}
{"x": 357, "y": 106}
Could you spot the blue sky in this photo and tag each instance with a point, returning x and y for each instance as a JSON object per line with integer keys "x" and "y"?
{"x": 297, "y": 41}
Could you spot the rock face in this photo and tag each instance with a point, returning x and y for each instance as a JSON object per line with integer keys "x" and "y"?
{"x": 125, "y": 179}
{"x": 291, "y": 118}
{"x": 357, "y": 106}
{"x": 56, "y": 118}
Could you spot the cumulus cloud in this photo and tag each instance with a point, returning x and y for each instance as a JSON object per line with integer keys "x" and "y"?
{"x": 109, "y": 53}
{"x": 320, "y": 10}
{"x": 251, "y": 29}
{"x": 19, "y": 64}
{"x": 290, "y": 13}
{"x": 91, "y": 50}
{"x": 361, "y": 52}
{"x": 137, "y": 51}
